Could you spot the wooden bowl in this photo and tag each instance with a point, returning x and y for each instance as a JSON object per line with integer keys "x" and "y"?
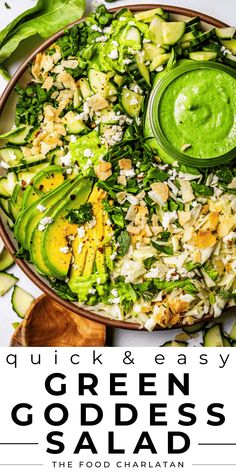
{"x": 48, "y": 324}
{"x": 7, "y": 104}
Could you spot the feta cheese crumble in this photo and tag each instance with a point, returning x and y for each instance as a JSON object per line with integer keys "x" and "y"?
{"x": 41, "y": 208}
{"x": 64, "y": 250}
{"x": 114, "y": 54}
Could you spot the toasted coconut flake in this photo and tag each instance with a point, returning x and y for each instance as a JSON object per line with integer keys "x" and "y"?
{"x": 204, "y": 239}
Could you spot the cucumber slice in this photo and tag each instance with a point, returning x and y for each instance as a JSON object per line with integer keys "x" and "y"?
{"x": 155, "y": 30}
{"x": 213, "y": 337}
{"x": 148, "y": 15}
{"x": 151, "y": 51}
{"x": 133, "y": 38}
{"x": 201, "y": 39}
{"x": 4, "y": 205}
{"x": 77, "y": 127}
{"x": 21, "y": 137}
{"x": 10, "y": 155}
{"x": 84, "y": 88}
{"x": 7, "y": 281}
{"x": 173, "y": 31}
{"x": 203, "y": 55}
{"x": 77, "y": 99}
{"x": 159, "y": 60}
{"x": 6, "y": 260}
{"x": 13, "y": 132}
{"x": 131, "y": 101}
{"x": 28, "y": 162}
{"x": 98, "y": 82}
{"x": 187, "y": 37}
{"x": 225, "y": 33}
{"x": 226, "y": 342}
{"x": 142, "y": 68}
{"x": 21, "y": 301}
{"x": 230, "y": 59}
{"x": 231, "y": 45}
{"x": 7, "y": 185}
{"x": 232, "y": 334}
{"x": 119, "y": 80}
{"x": 193, "y": 21}
{"x": 174, "y": 344}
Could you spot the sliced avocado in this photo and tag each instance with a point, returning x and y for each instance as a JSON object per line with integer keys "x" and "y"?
{"x": 15, "y": 202}
{"x": 56, "y": 234}
{"x": 36, "y": 245}
{"x": 91, "y": 251}
{"x": 30, "y": 217}
{"x": 44, "y": 181}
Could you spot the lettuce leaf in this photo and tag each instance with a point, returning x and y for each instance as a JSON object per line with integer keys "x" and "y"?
{"x": 54, "y": 15}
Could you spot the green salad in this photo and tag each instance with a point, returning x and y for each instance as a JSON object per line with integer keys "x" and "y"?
{"x": 111, "y": 223}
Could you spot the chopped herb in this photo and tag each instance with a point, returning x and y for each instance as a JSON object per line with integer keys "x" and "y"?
{"x": 148, "y": 262}
{"x": 63, "y": 290}
{"x": 22, "y": 253}
{"x": 8, "y": 7}
{"x": 201, "y": 190}
{"x": 80, "y": 216}
{"x": 162, "y": 248}
{"x": 123, "y": 241}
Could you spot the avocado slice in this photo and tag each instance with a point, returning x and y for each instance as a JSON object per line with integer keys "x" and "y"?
{"x": 36, "y": 245}
{"x": 28, "y": 219}
{"x": 45, "y": 181}
{"x": 56, "y": 234}
{"x": 91, "y": 251}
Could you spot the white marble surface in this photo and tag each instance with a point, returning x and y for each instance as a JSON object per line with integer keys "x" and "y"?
{"x": 224, "y": 10}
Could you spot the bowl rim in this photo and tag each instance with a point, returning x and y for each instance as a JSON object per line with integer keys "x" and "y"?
{"x": 3, "y": 101}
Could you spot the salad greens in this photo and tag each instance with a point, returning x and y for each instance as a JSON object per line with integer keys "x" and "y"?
{"x": 45, "y": 19}
{"x": 82, "y": 215}
{"x": 92, "y": 205}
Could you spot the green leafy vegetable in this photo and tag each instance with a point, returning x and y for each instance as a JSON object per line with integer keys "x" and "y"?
{"x": 69, "y": 42}
{"x": 54, "y": 15}
{"x": 162, "y": 248}
{"x": 225, "y": 175}
{"x": 227, "y": 295}
{"x": 63, "y": 290}
{"x": 172, "y": 60}
{"x": 19, "y": 19}
{"x": 82, "y": 215}
{"x": 155, "y": 174}
{"x": 211, "y": 271}
{"x": 5, "y": 74}
{"x": 186, "y": 284}
{"x": 192, "y": 265}
{"x": 22, "y": 253}
{"x": 123, "y": 241}
{"x": 201, "y": 190}
{"x": 115, "y": 213}
{"x": 164, "y": 236}
{"x": 127, "y": 295}
{"x": 148, "y": 262}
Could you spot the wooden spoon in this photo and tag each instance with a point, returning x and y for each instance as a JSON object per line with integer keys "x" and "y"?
{"x": 48, "y": 324}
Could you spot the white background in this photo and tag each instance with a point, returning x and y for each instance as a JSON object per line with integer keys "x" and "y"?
{"x": 208, "y": 384}
{"x": 224, "y": 10}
